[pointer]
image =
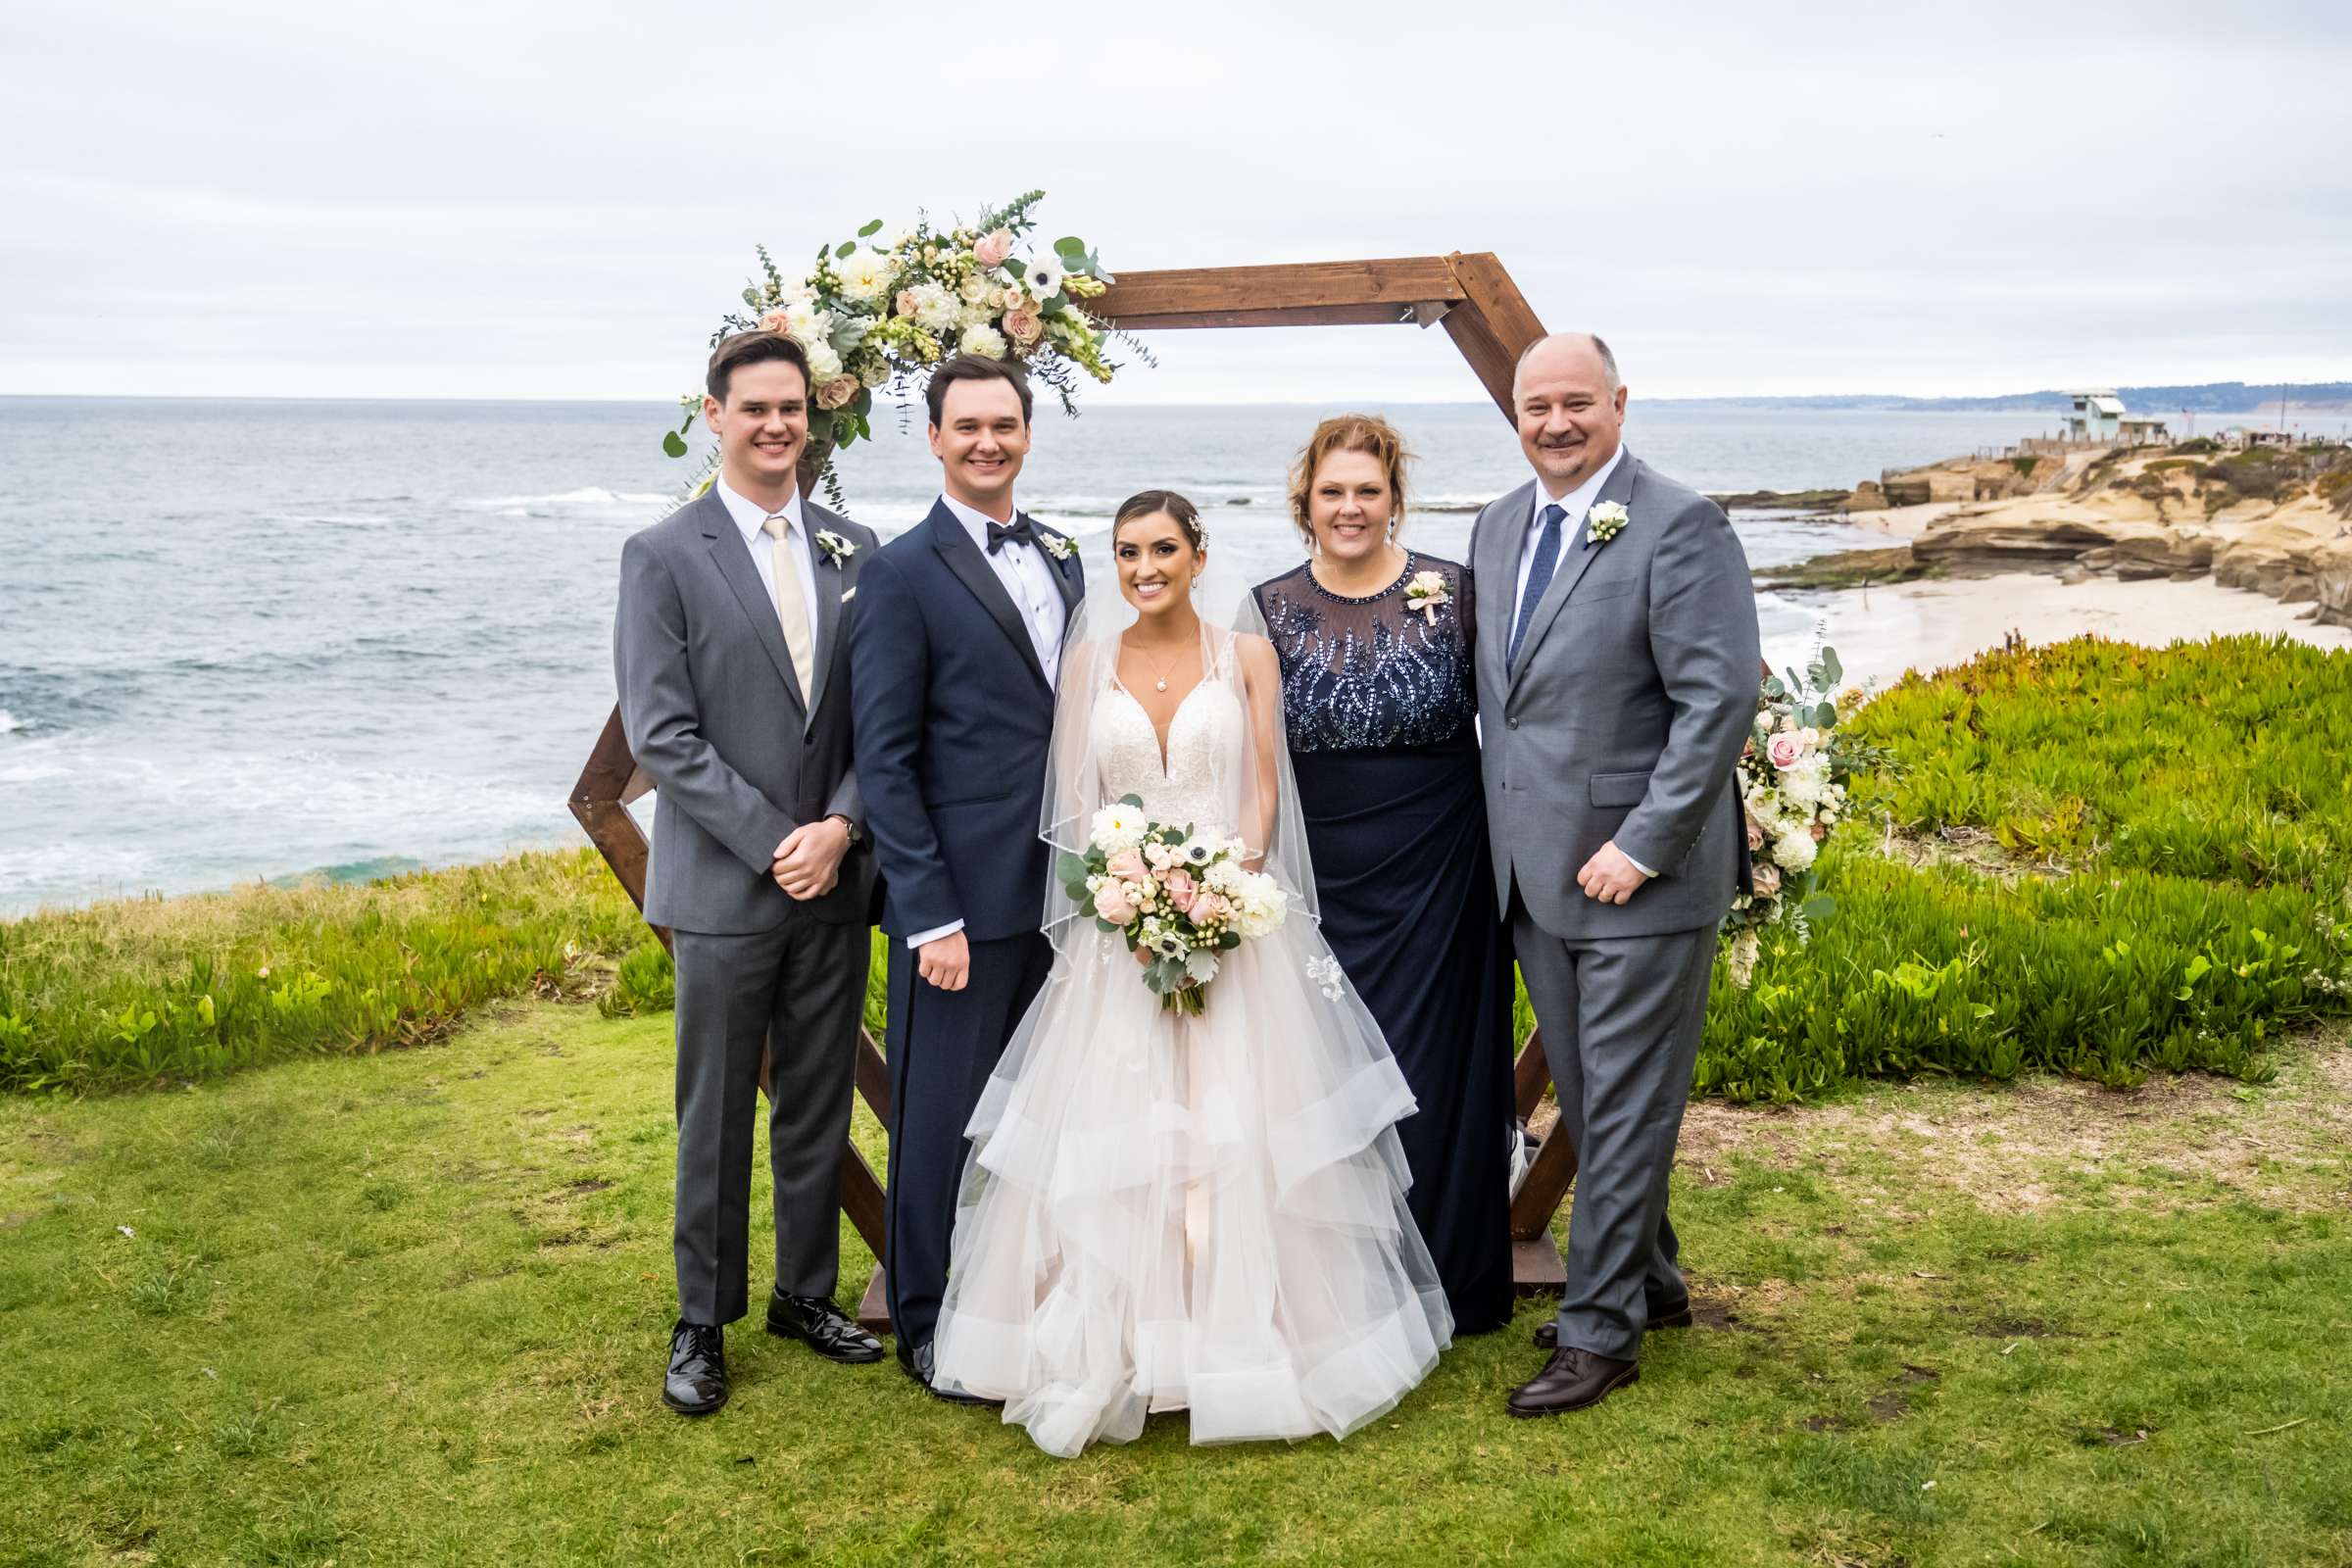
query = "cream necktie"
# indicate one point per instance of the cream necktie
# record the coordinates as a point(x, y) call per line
point(792, 610)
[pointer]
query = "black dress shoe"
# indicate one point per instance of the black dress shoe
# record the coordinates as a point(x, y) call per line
point(915, 1361)
point(823, 1327)
point(1570, 1381)
point(696, 1381)
point(1678, 1316)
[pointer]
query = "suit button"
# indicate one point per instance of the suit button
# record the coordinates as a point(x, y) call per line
point(1514, 724)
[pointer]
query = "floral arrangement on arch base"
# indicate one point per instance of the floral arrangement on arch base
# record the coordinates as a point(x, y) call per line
point(1794, 778)
point(877, 315)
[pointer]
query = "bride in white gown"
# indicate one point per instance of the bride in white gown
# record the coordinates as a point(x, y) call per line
point(1165, 1212)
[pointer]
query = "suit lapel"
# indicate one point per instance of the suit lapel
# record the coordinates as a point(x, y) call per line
point(1574, 565)
point(830, 584)
point(964, 559)
point(734, 561)
point(1497, 562)
point(1068, 575)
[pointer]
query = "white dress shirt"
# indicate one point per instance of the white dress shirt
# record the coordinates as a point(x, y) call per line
point(1576, 502)
point(1028, 577)
point(751, 517)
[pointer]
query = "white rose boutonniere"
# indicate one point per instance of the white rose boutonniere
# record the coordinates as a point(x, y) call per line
point(1605, 521)
point(837, 548)
point(1057, 544)
point(1426, 592)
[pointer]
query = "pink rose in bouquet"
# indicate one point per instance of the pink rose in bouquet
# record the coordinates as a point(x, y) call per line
point(1767, 879)
point(1112, 905)
point(1755, 835)
point(1127, 865)
point(1209, 909)
point(994, 247)
point(1181, 890)
point(1785, 749)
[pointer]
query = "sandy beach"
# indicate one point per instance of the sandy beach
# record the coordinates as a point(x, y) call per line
point(1881, 632)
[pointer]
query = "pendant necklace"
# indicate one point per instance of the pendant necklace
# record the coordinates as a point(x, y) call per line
point(1158, 685)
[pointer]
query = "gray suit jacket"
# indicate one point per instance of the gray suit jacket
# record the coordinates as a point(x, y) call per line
point(740, 755)
point(1623, 714)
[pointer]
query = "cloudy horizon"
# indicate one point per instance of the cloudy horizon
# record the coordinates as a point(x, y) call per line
point(477, 202)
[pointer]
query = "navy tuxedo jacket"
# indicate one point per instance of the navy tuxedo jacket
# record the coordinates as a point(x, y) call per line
point(954, 717)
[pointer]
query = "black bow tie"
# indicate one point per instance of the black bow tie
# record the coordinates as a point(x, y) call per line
point(1017, 530)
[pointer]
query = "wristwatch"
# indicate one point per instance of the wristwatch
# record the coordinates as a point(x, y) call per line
point(856, 837)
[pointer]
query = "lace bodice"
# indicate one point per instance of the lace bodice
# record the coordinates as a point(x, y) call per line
point(1200, 783)
point(1370, 674)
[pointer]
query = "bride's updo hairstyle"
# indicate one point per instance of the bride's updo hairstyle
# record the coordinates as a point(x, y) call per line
point(1144, 503)
point(1367, 433)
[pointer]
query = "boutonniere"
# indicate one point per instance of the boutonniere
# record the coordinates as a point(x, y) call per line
point(837, 548)
point(1605, 521)
point(1057, 544)
point(1425, 593)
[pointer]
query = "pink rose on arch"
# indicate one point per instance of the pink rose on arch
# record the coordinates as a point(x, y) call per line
point(908, 303)
point(1767, 878)
point(1785, 749)
point(1181, 890)
point(838, 393)
point(993, 248)
point(1025, 324)
point(775, 322)
point(1126, 865)
point(1112, 905)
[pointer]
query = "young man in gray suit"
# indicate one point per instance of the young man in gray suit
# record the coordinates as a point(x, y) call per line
point(1617, 681)
point(735, 696)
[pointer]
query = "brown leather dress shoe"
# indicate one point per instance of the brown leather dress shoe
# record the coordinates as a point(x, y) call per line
point(1570, 1381)
point(1548, 1332)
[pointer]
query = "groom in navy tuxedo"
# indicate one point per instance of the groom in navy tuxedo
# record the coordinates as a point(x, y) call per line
point(955, 641)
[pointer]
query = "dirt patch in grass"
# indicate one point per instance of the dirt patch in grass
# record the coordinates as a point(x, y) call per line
point(2021, 1147)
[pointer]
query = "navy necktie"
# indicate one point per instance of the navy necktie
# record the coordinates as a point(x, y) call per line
point(1539, 577)
point(1017, 531)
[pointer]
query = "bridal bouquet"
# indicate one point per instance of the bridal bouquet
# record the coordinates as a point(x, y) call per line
point(1176, 893)
point(1794, 776)
point(875, 312)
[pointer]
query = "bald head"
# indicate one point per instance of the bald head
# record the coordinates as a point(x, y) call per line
point(1579, 350)
point(1569, 408)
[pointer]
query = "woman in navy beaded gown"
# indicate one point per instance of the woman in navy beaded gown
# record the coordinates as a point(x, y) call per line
point(1376, 643)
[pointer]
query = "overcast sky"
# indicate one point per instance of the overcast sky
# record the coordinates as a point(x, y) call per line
point(486, 200)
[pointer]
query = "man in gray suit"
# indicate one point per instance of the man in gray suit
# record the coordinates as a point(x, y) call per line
point(735, 695)
point(1617, 681)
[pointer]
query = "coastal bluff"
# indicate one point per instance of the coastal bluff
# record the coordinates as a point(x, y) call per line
point(2273, 521)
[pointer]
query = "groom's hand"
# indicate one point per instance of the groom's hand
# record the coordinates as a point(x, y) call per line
point(808, 862)
point(1609, 876)
point(946, 962)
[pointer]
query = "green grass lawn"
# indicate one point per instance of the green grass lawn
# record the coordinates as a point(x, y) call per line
point(410, 1308)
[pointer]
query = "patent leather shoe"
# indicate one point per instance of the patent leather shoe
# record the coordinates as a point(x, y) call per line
point(817, 1322)
point(915, 1361)
point(1571, 1380)
point(696, 1383)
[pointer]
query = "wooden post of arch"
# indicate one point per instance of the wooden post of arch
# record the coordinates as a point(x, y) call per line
point(1488, 320)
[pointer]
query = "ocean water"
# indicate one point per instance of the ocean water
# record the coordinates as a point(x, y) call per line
point(254, 639)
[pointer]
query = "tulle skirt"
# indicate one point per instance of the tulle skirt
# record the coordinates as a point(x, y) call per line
point(1206, 1214)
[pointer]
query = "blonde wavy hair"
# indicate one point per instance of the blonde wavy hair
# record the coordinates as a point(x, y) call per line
point(1367, 433)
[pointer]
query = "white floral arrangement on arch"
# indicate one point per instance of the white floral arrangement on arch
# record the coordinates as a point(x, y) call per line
point(1794, 774)
point(876, 314)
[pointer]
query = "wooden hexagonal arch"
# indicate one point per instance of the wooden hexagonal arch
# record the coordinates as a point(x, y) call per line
point(1483, 310)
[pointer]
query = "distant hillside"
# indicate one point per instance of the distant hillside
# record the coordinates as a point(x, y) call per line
point(2212, 397)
